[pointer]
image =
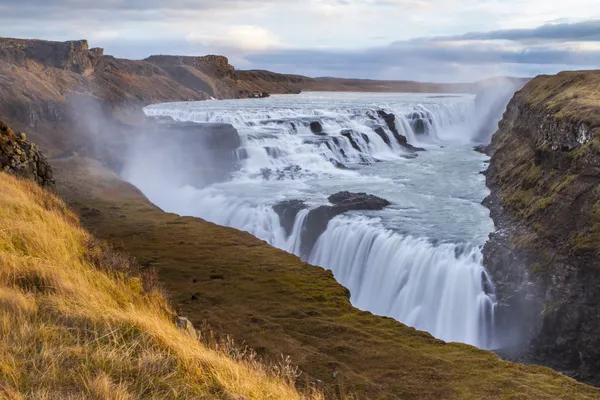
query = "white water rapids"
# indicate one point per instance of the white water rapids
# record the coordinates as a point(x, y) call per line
point(419, 260)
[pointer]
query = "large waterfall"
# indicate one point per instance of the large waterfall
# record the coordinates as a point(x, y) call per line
point(419, 260)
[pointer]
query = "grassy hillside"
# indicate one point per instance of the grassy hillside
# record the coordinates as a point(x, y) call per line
point(277, 304)
point(75, 323)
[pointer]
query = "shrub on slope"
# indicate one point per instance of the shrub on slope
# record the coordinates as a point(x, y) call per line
point(71, 327)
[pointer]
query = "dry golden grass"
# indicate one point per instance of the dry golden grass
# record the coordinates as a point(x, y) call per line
point(69, 330)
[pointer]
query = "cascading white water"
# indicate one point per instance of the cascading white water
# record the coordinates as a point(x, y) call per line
point(407, 278)
point(419, 260)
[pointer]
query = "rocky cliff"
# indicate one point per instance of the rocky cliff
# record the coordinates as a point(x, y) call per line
point(42, 84)
point(22, 158)
point(544, 175)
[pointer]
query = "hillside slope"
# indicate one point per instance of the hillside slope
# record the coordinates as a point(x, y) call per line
point(545, 177)
point(277, 304)
point(75, 323)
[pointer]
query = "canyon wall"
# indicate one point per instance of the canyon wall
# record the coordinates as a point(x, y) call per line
point(544, 178)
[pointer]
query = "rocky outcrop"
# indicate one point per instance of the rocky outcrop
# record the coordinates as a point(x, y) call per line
point(20, 157)
point(544, 175)
point(390, 120)
point(72, 56)
point(288, 211)
point(318, 218)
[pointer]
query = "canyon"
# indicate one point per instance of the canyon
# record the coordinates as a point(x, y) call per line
point(84, 109)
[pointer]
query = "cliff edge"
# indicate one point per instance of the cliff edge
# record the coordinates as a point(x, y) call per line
point(544, 176)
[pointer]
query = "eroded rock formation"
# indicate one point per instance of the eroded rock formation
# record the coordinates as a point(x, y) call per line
point(20, 157)
point(318, 218)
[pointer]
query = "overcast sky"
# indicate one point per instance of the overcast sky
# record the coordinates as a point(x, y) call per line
point(428, 40)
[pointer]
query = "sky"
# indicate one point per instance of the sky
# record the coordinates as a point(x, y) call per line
point(425, 40)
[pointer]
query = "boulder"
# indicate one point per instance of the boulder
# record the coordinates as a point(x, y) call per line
point(185, 325)
point(316, 128)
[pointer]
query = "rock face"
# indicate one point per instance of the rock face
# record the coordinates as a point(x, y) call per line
point(20, 157)
point(41, 83)
point(390, 120)
point(317, 219)
point(544, 177)
point(73, 55)
point(287, 211)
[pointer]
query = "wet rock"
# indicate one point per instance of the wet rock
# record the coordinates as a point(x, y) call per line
point(347, 133)
point(482, 148)
point(317, 219)
point(316, 128)
point(287, 211)
point(381, 132)
point(419, 126)
point(390, 120)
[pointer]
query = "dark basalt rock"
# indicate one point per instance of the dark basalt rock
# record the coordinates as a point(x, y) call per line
point(381, 132)
point(287, 211)
point(390, 120)
point(347, 133)
point(543, 258)
point(317, 220)
point(419, 127)
point(316, 128)
point(482, 148)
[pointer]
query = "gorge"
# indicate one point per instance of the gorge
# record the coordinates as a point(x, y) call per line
point(383, 189)
point(417, 260)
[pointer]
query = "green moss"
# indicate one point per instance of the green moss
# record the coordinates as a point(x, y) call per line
point(561, 185)
point(589, 240)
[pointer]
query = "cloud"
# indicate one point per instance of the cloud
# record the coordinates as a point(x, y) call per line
point(331, 37)
point(238, 37)
point(581, 31)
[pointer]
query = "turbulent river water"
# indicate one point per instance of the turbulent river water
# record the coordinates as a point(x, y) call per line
point(418, 260)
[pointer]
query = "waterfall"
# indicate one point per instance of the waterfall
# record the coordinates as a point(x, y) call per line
point(398, 262)
point(438, 289)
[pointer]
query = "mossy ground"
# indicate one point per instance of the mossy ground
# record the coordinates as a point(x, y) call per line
point(277, 304)
point(573, 95)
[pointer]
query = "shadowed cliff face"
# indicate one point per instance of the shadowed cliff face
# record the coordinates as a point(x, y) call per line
point(544, 176)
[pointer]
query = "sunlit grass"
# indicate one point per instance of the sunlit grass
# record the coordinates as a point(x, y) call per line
point(73, 325)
